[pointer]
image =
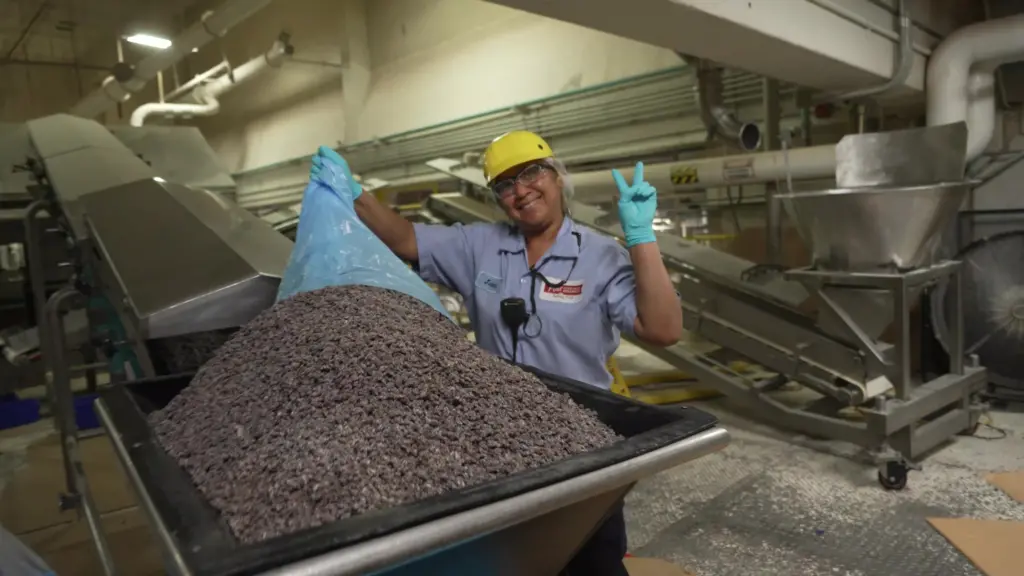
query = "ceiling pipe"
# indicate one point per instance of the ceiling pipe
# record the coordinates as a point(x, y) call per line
point(212, 25)
point(206, 97)
point(717, 118)
point(198, 79)
point(960, 87)
point(208, 106)
point(903, 67)
point(960, 81)
point(811, 163)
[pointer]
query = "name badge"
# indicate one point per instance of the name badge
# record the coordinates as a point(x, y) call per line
point(488, 282)
point(569, 293)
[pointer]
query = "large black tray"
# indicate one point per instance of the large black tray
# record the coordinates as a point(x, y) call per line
point(208, 548)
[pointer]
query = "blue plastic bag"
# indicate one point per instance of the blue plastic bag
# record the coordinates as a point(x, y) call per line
point(334, 248)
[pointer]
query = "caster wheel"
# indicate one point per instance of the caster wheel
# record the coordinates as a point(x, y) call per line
point(893, 477)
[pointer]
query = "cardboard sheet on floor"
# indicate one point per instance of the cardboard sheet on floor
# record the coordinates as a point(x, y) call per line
point(1010, 482)
point(992, 545)
point(653, 567)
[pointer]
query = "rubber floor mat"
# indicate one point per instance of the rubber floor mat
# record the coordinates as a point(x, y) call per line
point(769, 525)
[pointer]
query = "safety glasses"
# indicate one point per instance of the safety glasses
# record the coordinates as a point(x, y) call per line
point(527, 176)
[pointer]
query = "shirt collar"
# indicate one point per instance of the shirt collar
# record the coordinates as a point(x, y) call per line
point(565, 246)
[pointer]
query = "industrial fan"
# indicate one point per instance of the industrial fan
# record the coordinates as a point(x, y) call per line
point(993, 300)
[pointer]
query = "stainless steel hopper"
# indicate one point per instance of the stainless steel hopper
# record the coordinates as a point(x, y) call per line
point(898, 190)
point(875, 228)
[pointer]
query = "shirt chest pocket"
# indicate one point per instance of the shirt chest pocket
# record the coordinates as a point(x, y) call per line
point(487, 283)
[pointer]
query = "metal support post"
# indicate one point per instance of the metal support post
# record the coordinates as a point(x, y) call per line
point(36, 268)
point(773, 216)
point(956, 345)
point(78, 493)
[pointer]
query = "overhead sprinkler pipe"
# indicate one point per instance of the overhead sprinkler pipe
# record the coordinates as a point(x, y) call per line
point(212, 25)
point(903, 67)
point(205, 98)
point(717, 118)
point(960, 80)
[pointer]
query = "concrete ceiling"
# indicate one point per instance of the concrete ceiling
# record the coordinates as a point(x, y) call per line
point(63, 32)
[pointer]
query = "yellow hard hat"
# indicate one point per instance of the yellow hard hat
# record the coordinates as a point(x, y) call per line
point(512, 149)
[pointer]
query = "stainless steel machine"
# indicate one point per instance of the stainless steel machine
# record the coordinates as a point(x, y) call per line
point(161, 259)
point(164, 271)
point(161, 271)
point(873, 243)
point(177, 154)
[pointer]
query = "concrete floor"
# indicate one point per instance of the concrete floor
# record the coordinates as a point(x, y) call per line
point(774, 503)
point(770, 504)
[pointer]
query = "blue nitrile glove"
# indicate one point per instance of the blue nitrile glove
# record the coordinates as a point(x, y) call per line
point(637, 203)
point(325, 158)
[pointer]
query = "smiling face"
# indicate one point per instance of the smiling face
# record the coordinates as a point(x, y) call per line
point(531, 196)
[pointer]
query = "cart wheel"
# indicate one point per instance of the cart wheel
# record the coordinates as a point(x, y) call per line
point(894, 477)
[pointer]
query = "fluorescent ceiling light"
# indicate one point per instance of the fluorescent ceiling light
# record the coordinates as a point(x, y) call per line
point(151, 41)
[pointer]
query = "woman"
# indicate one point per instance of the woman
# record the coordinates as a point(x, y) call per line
point(581, 289)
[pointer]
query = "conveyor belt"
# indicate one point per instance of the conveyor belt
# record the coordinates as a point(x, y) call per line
point(173, 259)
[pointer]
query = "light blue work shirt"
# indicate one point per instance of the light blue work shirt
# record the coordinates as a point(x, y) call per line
point(577, 325)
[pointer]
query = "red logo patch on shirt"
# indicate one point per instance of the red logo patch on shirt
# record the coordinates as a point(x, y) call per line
point(569, 293)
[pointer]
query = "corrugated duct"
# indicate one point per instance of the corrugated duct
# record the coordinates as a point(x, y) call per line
point(652, 99)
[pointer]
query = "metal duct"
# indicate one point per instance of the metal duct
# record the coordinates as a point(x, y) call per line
point(212, 25)
point(719, 120)
point(960, 78)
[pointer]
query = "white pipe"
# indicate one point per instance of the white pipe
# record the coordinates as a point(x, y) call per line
point(205, 97)
point(959, 81)
point(809, 163)
point(981, 112)
point(209, 107)
point(960, 87)
point(272, 58)
point(198, 79)
point(212, 25)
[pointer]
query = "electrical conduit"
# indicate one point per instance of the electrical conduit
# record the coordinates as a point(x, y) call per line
point(206, 96)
